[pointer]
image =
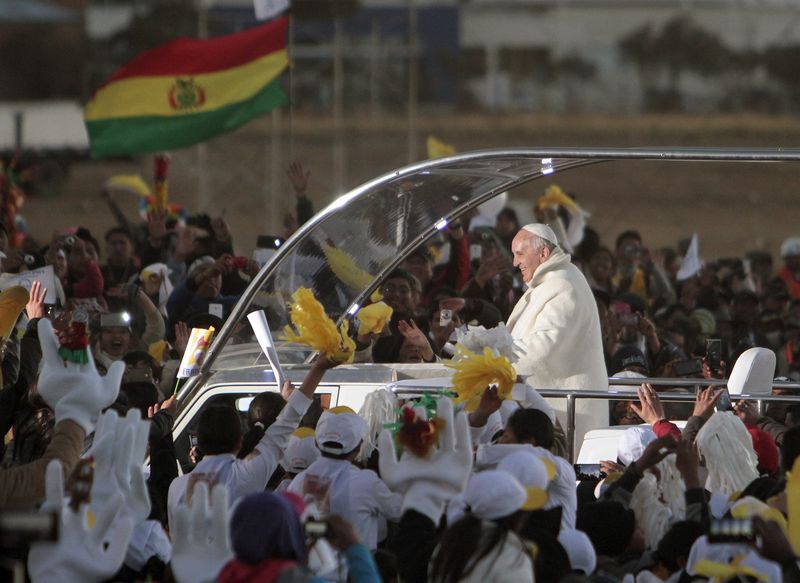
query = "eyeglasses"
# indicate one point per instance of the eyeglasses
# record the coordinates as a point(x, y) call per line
point(392, 289)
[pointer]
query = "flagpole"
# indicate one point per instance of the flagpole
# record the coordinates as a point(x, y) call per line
point(413, 81)
point(203, 197)
point(338, 108)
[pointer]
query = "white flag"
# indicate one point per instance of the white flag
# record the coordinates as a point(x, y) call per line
point(691, 264)
point(266, 9)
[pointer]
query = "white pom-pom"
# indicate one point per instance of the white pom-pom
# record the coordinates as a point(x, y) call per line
point(727, 448)
point(379, 409)
point(499, 339)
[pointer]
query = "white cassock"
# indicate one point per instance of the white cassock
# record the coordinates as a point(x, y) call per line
point(556, 328)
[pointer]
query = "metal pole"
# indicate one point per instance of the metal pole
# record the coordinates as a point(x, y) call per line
point(273, 200)
point(338, 108)
point(291, 88)
point(413, 81)
point(571, 427)
point(203, 190)
point(374, 68)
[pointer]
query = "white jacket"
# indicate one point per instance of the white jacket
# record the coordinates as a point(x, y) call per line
point(557, 329)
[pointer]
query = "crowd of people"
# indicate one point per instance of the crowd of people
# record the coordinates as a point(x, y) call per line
point(424, 490)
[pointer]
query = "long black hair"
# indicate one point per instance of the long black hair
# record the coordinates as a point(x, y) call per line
point(465, 543)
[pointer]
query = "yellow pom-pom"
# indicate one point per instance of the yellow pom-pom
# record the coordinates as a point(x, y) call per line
point(555, 196)
point(345, 268)
point(315, 329)
point(475, 372)
point(374, 318)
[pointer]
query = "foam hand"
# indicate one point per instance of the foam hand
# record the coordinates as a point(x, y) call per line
point(74, 391)
point(429, 483)
point(118, 450)
point(82, 553)
point(201, 540)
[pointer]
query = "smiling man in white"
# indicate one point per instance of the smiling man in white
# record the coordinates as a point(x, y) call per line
point(556, 326)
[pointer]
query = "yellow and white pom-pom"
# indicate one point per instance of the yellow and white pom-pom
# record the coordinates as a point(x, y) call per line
point(555, 196)
point(373, 318)
point(476, 372)
point(345, 268)
point(315, 329)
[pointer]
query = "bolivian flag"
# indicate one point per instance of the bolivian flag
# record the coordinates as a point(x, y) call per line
point(187, 91)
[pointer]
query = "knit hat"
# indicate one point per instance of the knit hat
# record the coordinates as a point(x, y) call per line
point(753, 372)
point(301, 451)
point(532, 473)
point(255, 540)
point(609, 525)
point(582, 556)
point(790, 247)
point(727, 447)
point(494, 494)
point(542, 231)
point(629, 356)
point(632, 444)
point(341, 429)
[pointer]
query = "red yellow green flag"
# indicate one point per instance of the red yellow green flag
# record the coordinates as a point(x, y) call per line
point(187, 91)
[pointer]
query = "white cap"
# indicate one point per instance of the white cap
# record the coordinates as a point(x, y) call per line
point(542, 231)
point(581, 553)
point(494, 494)
point(790, 247)
point(342, 426)
point(632, 444)
point(753, 372)
point(301, 451)
point(531, 472)
point(198, 263)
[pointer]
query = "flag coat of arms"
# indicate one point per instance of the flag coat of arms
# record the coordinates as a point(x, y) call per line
point(188, 91)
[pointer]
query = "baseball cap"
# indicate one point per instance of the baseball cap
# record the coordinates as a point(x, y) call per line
point(340, 430)
point(790, 247)
point(531, 471)
point(494, 494)
point(582, 556)
point(301, 451)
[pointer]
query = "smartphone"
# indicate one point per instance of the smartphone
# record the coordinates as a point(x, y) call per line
point(269, 241)
point(316, 529)
point(714, 353)
point(724, 401)
point(589, 472)
point(445, 317)
point(629, 319)
point(688, 367)
point(731, 530)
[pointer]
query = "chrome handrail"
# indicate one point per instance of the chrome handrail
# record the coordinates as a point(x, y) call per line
point(571, 395)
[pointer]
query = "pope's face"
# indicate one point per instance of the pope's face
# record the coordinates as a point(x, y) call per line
point(527, 256)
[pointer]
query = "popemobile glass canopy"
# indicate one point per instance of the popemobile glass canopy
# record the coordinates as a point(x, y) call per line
point(345, 251)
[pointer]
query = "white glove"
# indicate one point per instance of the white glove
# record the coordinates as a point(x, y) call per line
point(118, 450)
point(82, 554)
point(429, 483)
point(74, 391)
point(201, 544)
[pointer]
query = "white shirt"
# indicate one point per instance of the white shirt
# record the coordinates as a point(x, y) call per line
point(359, 496)
point(245, 476)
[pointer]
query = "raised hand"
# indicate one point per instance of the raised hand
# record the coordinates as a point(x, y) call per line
point(429, 483)
point(201, 541)
point(75, 391)
point(35, 305)
point(298, 177)
point(82, 553)
point(650, 408)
